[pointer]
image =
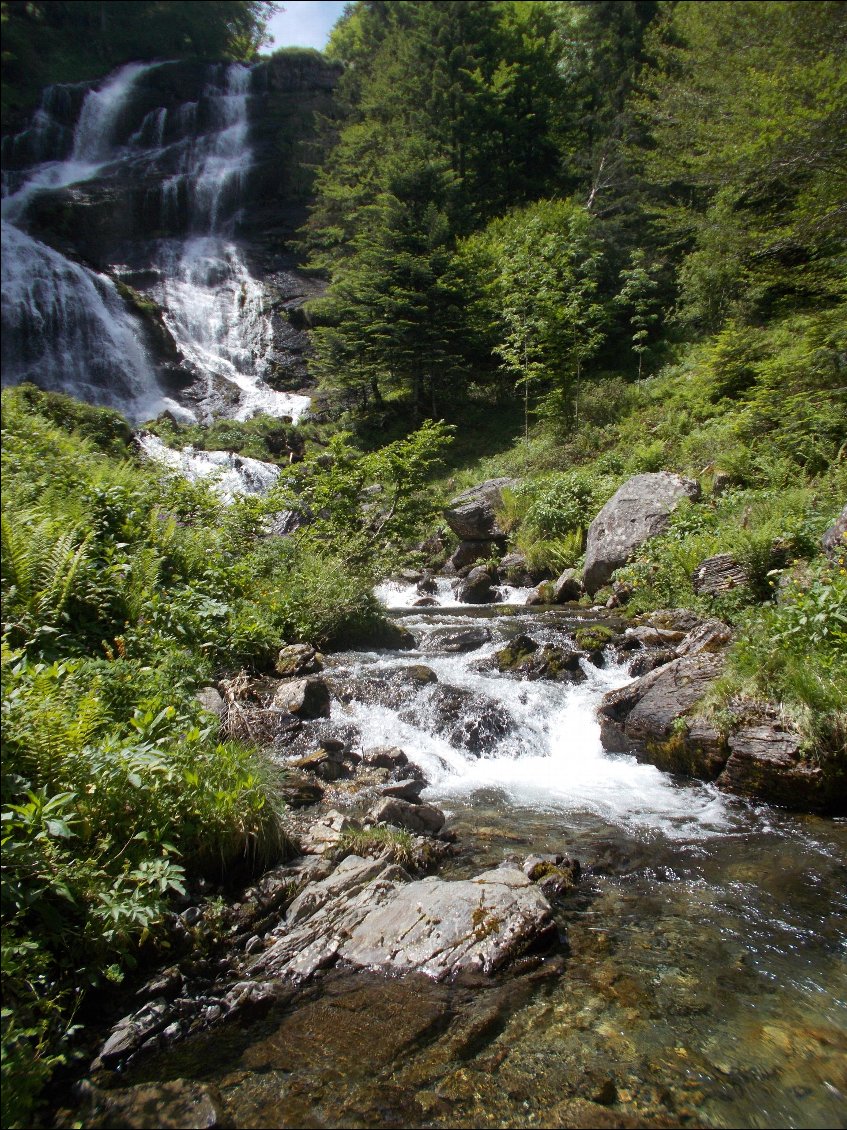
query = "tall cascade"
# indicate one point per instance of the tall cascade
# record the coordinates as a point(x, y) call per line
point(160, 180)
point(65, 327)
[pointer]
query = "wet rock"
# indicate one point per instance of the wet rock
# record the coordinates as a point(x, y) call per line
point(324, 763)
point(767, 762)
point(567, 587)
point(541, 594)
point(298, 659)
point(305, 698)
point(834, 541)
point(211, 701)
point(523, 657)
point(129, 1034)
point(409, 789)
point(467, 720)
point(427, 585)
point(419, 674)
point(425, 602)
point(472, 515)
point(180, 1104)
point(455, 641)
point(422, 819)
point(719, 574)
point(467, 553)
point(385, 757)
point(650, 659)
point(368, 914)
point(647, 717)
point(478, 587)
point(638, 510)
point(442, 928)
point(556, 875)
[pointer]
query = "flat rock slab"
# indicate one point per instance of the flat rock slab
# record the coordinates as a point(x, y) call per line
point(369, 915)
point(442, 928)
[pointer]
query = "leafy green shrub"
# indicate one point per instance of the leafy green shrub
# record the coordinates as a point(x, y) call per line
point(794, 652)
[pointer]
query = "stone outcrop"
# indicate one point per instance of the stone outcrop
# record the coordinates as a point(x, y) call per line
point(644, 716)
point(655, 718)
point(767, 762)
point(719, 574)
point(472, 515)
point(638, 510)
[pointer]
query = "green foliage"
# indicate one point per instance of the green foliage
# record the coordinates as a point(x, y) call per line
point(795, 652)
point(534, 278)
point(364, 507)
point(744, 109)
point(392, 844)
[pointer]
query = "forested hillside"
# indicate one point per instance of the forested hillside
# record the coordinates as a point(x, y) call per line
point(566, 242)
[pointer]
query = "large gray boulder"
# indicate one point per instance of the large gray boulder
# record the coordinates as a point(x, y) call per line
point(637, 511)
point(472, 516)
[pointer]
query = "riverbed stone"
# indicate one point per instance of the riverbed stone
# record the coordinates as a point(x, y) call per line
point(298, 659)
point(385, 757)
point(173, 1105)
point(422, 819)
point(467, 720)
point(478, 587)
point(305, 698)
point(768, 762)
point(409, 789)
point(455, 641)
point(442, 928)
point(636, 512)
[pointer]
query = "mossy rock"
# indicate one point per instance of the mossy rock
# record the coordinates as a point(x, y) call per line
point(593, 638)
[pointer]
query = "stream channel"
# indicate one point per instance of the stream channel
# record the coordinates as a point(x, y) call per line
point(700, 977)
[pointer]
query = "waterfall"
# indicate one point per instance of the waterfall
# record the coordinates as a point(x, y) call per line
point(66, 329)
point(213, 306)
point(66, 326)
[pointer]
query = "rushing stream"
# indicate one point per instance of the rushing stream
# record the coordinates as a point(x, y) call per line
point(701, 978)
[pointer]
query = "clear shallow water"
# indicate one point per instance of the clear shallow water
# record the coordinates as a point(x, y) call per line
point(702, 975)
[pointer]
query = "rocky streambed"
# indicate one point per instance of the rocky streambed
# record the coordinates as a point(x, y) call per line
point(494, 920)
